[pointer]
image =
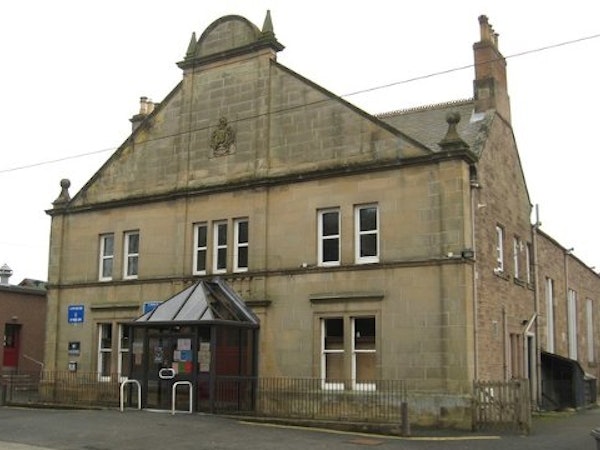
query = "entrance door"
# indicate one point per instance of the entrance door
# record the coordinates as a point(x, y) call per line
point(10, 359)
point(169, 360)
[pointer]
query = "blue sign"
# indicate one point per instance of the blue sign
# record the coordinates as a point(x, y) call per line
point(75, 313)
point(149, 306)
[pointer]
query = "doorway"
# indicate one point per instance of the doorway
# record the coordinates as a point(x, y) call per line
point(10, 358)
point(169, 360)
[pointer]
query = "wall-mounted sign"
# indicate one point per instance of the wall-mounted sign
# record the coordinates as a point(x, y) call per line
point(149, 306)
point(74, 348)
point(75, 314)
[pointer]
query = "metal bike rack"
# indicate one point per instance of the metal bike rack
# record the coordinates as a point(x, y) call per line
point(122, 390)
point(173, 391)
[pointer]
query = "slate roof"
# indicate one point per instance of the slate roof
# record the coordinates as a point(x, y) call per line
point(203, 301)
point(428, 124)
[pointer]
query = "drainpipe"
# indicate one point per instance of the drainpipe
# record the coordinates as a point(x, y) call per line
point(505, 338)
point(536, 306)
point(475, 186)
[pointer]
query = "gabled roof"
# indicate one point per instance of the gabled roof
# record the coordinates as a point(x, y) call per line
point(428, 124)
point(204, 301)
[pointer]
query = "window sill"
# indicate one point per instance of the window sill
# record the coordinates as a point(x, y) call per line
point(501, 274)
point(519, 282)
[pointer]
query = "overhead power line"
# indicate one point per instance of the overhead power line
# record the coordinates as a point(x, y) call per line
point(350, 94)
point(52, 161)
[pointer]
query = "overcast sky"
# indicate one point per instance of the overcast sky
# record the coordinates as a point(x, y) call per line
point(73, 71)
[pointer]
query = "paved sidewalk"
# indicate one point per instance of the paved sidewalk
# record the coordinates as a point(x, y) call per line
point(46, 429)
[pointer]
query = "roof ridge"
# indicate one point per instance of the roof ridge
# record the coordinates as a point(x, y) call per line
point(424, 108)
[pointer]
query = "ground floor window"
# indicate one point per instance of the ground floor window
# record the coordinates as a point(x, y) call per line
point(123, 361)
point(104, 351)
point(348, 352)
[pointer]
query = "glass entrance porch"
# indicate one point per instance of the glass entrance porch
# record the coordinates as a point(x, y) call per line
point(203, 336)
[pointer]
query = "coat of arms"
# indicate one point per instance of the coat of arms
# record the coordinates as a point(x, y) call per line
point(222, 139)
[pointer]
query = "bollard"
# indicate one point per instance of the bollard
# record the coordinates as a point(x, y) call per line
point(596, 434)
point(404, 418)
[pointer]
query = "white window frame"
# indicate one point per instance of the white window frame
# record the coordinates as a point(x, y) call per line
point(217, 232)
point(103, 350)
point(360, 233)
point(104, 256)
point(134, 255)
point(589, 313)
point(239, 245)
point(325, 352)
point(516, 251)
point(499, 249)
point(550, 315)
point(198, 247)
point(322, 238)
point(572, 323)
point(528, 261)
point(356, 352)
point(123, 351)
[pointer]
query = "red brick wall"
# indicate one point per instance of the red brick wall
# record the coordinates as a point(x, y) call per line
point(27, 308)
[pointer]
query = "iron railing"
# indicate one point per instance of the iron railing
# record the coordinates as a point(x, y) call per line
point(81, 389)
point(310, 398)
point(376, 401)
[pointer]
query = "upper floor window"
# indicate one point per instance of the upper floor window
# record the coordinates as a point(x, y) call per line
point(572, 323)
point(550, 315)
point(107, 254)
point(589, 318)
point(499, 249)
point(220, 247)
point(131, 253)
point(529, 262)
point(366, 219)
point(200, 248)
point(240, 255)
point(329, 237)
point(516, 251)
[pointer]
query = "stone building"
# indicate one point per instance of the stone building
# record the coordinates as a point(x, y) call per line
point(396, 246)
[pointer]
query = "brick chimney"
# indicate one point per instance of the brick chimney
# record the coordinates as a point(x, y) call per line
point(490, 87)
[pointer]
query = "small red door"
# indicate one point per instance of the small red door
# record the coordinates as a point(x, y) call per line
point(11, 346)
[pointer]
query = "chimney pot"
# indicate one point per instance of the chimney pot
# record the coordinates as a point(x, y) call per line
point(144, 105)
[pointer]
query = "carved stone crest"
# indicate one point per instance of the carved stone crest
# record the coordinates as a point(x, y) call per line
point(222, 139)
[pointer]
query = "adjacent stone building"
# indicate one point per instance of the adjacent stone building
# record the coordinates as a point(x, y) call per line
point(23, 324)
point(397, 246)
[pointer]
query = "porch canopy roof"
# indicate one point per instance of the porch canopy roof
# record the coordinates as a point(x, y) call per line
point(205, 302)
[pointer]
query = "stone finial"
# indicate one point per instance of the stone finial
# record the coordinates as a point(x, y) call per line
point(229, 37)
point(452, 140)
point(268, 24)
point(64, 196)
point(191, 50)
